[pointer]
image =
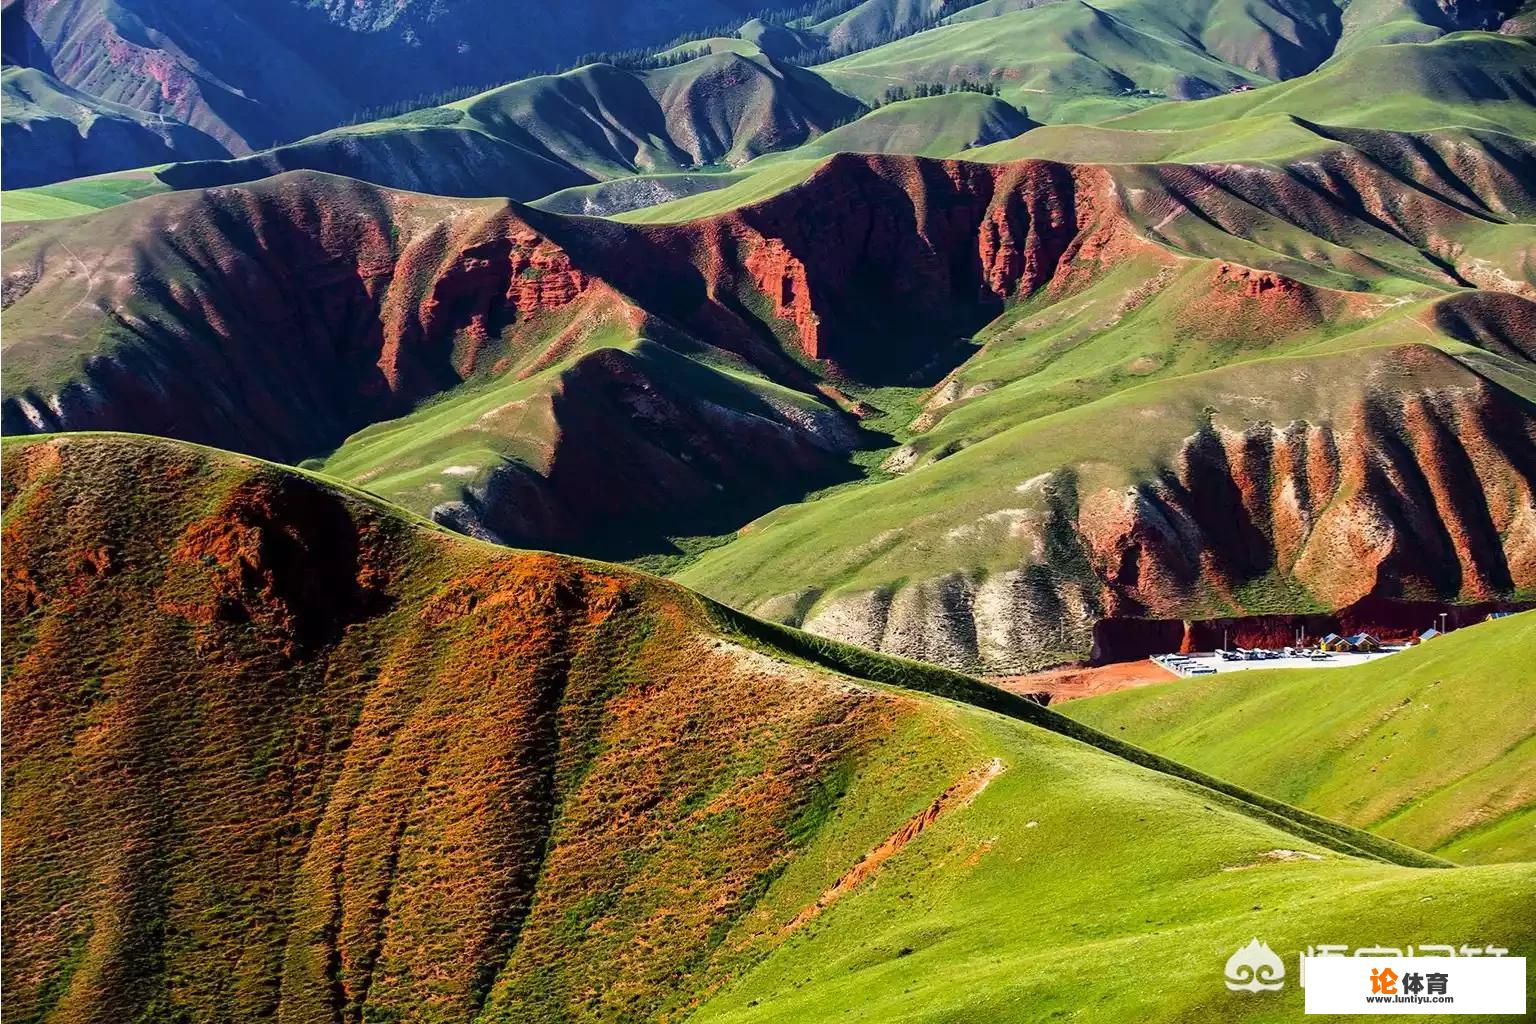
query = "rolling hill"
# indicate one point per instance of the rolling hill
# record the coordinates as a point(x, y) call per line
point(51, 131)
point(552, 132)
point(975, 330)
point(1458, 90)
point(276, 749)
point(1430, 747)
point(1419, 89)
point(77, 196)
point(1472, 81)
point(936, 126)
point(250, 76)
point(1053, 62)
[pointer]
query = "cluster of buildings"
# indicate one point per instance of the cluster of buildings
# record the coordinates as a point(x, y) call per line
point(1360, 643)
point(1365, 643)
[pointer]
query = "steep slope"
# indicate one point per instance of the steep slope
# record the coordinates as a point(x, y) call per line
point(1431, 747)
point(626, 389)
point(51, 132)
point(381, 771)
point(249, 76)
point(548, 133)
point(368, 302)
point(1072, 61)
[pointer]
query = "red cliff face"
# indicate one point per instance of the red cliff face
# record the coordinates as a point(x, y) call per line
point(783, 278)
point(479, 278)
point(1412, 495)
point(279, 317)
point(875, 245)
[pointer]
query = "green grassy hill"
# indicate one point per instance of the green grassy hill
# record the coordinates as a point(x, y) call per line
point(937, 126)
point(1055, 62)
point(82, 195)
point(1058, 61)
point(544, 134)
point(1468, 80)
point(1431, 747)
point(1462, 91)
point(384, 769)
point(52, 132)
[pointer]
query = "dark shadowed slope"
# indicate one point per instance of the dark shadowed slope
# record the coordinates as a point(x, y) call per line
point(251, 75)
point(51, 132)
point(543, 134)
point(277, 751)
point(603, 388)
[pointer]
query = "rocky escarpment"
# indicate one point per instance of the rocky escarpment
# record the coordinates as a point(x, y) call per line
point(1422, 489)
point(877, 266)
point(1410, 494)
point(398, 296)
point(280, 318)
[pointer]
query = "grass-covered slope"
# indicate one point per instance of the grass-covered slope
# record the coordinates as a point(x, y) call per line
point(595, 127)
point(386, 772)
point(81, 195)
point(1464, 91)
point(1064, 61)
point(250, 77)
point(552, 132)
point(974, 330)
point(936, 126)
point(52, 132)
point(1467, 81)
point(1432, 747)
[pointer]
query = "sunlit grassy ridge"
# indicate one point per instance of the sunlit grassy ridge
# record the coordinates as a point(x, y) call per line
point(1469, 80)
point(1432, 747)
point(82, 195)
point(1469, 89)
point(681, 798)
point(985, 467)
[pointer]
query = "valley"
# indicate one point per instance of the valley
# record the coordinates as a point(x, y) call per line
point(456, 750)
point(618, 512)
point(1331, 390)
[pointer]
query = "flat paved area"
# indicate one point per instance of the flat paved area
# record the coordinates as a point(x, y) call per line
point(1332, 661)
